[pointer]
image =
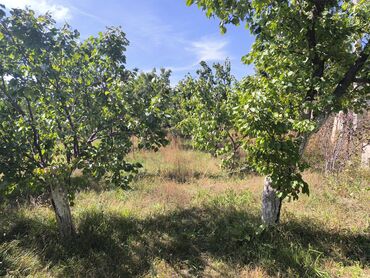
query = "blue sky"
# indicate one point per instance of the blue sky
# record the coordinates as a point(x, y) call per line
point(162, 33)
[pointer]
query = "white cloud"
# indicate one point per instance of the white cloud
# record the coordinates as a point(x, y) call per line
point(147, 31)
point(89, 15)
point(209, 49)
point(152, 28)
point(59, 12)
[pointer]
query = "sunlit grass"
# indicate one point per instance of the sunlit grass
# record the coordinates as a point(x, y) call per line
point(183, 217)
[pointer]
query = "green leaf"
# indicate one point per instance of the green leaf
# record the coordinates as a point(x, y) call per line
point(189, 2)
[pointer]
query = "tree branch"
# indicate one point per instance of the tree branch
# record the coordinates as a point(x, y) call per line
point(76, 148)
point(362, 80)
point(318, 63)
point(36, 136)
point(350, 75)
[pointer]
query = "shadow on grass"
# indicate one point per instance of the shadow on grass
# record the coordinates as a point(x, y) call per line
point(179, 176)
point(115, 246)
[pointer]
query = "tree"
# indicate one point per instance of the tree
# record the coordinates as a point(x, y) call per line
point(206, 104)
point(307, 66)
point(151, 100)
point(66, 105)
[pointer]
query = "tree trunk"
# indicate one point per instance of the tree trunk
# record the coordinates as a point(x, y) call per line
point(271, 204)
point(62, 211)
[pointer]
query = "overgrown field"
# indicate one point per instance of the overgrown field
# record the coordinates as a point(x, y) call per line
point(184, 217)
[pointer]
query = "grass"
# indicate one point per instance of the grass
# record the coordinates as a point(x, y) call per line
point(183, 217)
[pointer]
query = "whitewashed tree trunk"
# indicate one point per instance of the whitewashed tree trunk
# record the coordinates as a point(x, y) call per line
point(62, 211)
point(271, 204)
point(365, 155)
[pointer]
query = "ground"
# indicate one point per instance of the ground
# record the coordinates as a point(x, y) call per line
point(184, 217)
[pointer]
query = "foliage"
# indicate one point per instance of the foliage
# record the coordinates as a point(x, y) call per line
point(308, 65)
point(150, 106)
point(67, 104)
point(206, 104)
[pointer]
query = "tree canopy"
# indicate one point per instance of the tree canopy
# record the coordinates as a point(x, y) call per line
point(68, 104)
point(311, 59)
point(206, 105)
